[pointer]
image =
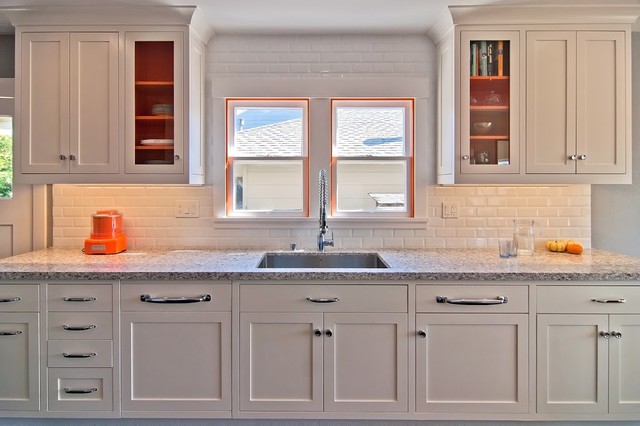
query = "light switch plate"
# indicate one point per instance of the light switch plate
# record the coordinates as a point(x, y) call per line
point(187, 208)
point(449, 210)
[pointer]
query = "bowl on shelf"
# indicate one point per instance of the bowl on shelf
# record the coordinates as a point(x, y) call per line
point(162, 109)
point(482, 127)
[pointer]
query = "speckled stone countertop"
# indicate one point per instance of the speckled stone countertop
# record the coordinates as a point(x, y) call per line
point(412, 265)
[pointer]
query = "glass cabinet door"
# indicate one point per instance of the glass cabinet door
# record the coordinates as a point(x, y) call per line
point(489, 102)
point(154, 116)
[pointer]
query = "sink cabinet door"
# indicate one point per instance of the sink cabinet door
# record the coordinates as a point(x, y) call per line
point(468, 363)
point(624, 368)
point(365, 359)
point(281, 361)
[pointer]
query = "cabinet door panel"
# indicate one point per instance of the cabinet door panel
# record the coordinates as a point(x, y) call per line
point(280, 362)
point(472, 363)
point(19, 362)
point(176, 361)
point(624, 368)
point(365, 361)
point(572, 364)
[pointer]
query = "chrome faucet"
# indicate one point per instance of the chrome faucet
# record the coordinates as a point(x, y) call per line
point(322, 240)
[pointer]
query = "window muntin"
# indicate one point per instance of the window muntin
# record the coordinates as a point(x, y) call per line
point(372, 157)
point(267, 164)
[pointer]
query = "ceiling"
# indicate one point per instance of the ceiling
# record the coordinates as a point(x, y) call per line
point(308, 17)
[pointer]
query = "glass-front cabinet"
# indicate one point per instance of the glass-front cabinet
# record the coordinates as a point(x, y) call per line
point(154, 80)
point(489, 102)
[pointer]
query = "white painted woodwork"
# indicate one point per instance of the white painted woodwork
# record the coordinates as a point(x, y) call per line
point(576, 299)
point(576, 102)
point(56, 294)
point(220, 296)
point(197, 111)
point(101, 350)
point(572, 364)
point(366, 362)
point(20, 365)
point(624, 368)
point(176, 362)
point(28, 298)
point(99, 379)
point(446, 132)
point(102, 323)
point(281, 362)
point(517, 298)
point(472, 363)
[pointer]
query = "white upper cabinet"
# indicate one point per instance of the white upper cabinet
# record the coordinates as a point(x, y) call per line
point(560, 111)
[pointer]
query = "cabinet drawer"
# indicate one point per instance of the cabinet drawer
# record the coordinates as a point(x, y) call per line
point(80, 389)
point(76, 297)
point(80, 325)
point(330, 298)
point(161, 295)
point(457, 297)
point(90, 353)
point(19, 298)
point(580, 299)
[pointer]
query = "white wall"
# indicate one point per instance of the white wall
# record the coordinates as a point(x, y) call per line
point(485, 212)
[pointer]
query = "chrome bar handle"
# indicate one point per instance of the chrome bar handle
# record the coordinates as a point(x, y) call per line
point(10, 299)
point(10, 333)
point(80, 391)
point(79, 327)
point(202, 298)
point(497, 301)
point(85, 355)
point(79, 299)
point(609, 300)
point(605, 334)
point(323, 299)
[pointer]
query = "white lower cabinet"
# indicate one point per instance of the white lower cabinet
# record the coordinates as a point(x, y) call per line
point(176, 349)
point(472, 349)
point(308, 348)
point(588, 347)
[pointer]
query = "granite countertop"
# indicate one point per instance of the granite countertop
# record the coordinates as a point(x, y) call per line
point(240, 264)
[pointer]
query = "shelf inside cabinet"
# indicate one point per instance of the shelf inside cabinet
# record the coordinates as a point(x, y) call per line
point(154, 147)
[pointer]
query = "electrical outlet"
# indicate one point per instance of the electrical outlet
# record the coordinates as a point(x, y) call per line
point(187, 208)
point(449, 210)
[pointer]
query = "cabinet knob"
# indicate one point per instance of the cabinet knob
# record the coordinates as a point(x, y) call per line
point(605, 334)
point(62, 157)
point(465, 157)
point(616, 334)
point(422, 334)
point(573, 157)
point(177, 156)
point(72, 157)
point(328, 333)
point(317, 332)
point(582, 157)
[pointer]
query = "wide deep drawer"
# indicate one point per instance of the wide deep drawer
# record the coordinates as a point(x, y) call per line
point(322, 298)
point(78, 297)
point(80, 325)
point(475, 299)
point(588, 299)
point(19, 298)
point(80, 389)
point(175, 297)
point(74, 353)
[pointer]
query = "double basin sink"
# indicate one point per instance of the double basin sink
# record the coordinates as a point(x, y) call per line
point(292, 260)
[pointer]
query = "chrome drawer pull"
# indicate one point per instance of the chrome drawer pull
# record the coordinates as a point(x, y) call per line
point(497, 301)
point(79, 299)
point(10, 299)
point(78, 327)
point(86, 355)
point(609, 300)
point(78, 391)
point(10, 333)
point(323, 299)
point(202, 298)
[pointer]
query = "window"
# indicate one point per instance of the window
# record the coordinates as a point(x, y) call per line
point(372, 156)
point(6, 173)
point(267, 160)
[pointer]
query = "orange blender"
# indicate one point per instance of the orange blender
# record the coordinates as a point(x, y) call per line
point(107, 236)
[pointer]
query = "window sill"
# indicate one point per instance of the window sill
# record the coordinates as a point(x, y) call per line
point(334, 223)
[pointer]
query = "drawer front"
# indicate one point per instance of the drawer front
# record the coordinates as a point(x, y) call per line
point(80, 298)
point(19, 298)
point(80, 326)
point(322, 298)
point(80, 389)
point(474, 299)
point(73, 353)
point(580, 299)
point(175, 297)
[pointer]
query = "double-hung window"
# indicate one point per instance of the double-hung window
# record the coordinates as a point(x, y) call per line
point(267, 157)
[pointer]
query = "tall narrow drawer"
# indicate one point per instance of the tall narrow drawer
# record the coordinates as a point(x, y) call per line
point(19, 298)
point(474, 299)
point(76, 297)
point(589, 299)
point(175, 297)
point(323, 298)
point(80, 325)
point(80, 389)
point(74, 353)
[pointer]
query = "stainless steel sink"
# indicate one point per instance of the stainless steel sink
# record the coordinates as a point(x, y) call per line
point(322, 260)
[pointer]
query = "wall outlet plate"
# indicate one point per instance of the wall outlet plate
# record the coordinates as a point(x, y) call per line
point(187, 208)
point(449, 210)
